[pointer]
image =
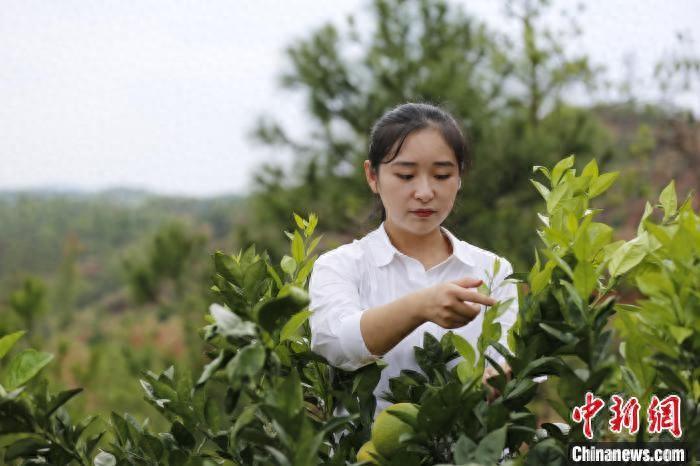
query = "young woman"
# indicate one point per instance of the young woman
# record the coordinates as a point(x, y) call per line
point(376, 297)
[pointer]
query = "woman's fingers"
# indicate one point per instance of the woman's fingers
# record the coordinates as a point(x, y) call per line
point(470, 295)
point(468, 282)
point(468, 311)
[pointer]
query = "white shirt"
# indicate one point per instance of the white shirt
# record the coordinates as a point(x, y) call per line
point(371, 272)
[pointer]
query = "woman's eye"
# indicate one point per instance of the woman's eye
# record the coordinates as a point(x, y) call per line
point(442, 177)
point(404, 177)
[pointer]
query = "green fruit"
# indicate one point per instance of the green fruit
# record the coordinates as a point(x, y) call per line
point(387, 429)
point(368, 453)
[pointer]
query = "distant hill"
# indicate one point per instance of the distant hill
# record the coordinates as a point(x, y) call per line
point(39, 228)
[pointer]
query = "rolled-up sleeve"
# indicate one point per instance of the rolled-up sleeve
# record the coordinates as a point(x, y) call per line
point(336, 312)
point(503, 291)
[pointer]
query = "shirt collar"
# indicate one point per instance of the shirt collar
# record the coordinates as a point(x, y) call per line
point(383, 251)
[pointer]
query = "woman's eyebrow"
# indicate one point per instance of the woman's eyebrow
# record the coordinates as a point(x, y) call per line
point(444, 163)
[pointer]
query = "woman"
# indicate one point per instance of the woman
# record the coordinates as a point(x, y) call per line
point(378, 295)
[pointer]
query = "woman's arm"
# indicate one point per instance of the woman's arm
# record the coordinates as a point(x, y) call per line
point(450, 305)
point(350, 337)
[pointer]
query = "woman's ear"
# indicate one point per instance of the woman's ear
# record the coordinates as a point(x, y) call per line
point(371, 176)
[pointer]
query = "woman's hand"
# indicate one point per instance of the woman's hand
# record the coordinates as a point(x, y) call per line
point(453, 304)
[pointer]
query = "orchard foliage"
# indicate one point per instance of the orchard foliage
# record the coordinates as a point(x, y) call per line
point(265, 398)
point(33, 423)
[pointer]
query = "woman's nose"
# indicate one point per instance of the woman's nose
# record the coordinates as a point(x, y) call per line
point(424, 190)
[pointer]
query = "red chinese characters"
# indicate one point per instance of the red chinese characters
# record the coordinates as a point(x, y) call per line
point(587, 412)
point(662, 415)
point(624, 414)
point(665, 415)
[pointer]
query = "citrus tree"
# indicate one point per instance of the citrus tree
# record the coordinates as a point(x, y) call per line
point(266, 398)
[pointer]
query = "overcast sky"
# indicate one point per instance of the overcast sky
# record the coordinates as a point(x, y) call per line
point(161, 95)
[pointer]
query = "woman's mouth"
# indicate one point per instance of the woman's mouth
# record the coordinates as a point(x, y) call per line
point(423, 212)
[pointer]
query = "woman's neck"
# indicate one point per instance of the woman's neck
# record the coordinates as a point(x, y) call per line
point(430, 249)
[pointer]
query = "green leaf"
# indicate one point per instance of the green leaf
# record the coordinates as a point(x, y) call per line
point(275, 276)
point(273, 314)
point(289, 266)
point(299, 221)
point(246, 416)
point(464, 348)
point(248, 256)
point(631, 382)
point(184, 437)
point(465, 371)
point(305, 271)
point(544, 192)
point(246, 363)
point(229, 324)
point(591, 239)
point(535, 268)
point(546, 453)
point(560, 168)
point(84, 424)
point(668, 200)
point(212, 414)
point(91, 442)
point(661, 233)
point(293, 324)
point(541, 279)
point(680, 333)
point(648, 209)
point(571, 223)
point(313, 245)
point(543, 170)
point(602, 183)
point(490, 449)
point(287, 396)
point(152, 445)
point(254, 274)
point(556, 196)
point(435, 414)
point(565, 337)
point(313, 221)
point(60, 399)
point(211, 368)
point(610, 249)
point(8, 341)
point(585, 279)
point(24, 448)
point(24, 367)
point(120, 427)
point(104, 459)
point(635, 351)
point(591, 169)
point(228, 268)
point(560, 262)
point(653, 283)
point(542, 366)
point(521, 393)
point(464, 450)
point(627, 256)
point(298, 248)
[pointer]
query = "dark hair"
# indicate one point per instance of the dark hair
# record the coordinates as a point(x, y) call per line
point(391, 130)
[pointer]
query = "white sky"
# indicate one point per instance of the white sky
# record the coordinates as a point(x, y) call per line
point(161, 95)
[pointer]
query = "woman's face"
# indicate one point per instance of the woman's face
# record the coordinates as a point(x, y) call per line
point(418, 187)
